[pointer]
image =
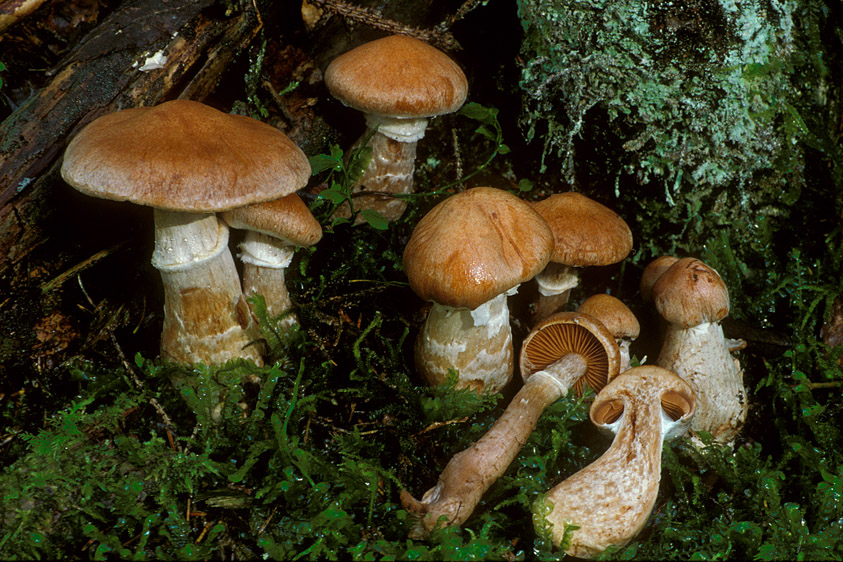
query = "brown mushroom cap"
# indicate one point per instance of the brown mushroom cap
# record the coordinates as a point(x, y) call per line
point(614, 314)
point(676, 396)
point(652, 273)
point(572, 332)
point(183, 155)
point(397, 76)
point(691, 293)
point(585, 232)
point(287, 218)
point(474, 246)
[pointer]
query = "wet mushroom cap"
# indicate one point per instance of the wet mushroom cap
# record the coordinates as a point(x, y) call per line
point(614, 314)
point(691, 293)
point(286, 218)
point(474, 246)
point(397, 76)
point(183, 155)
point(586, 233)
point(572, 332)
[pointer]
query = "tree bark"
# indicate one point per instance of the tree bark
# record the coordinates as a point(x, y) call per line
point(113, 67)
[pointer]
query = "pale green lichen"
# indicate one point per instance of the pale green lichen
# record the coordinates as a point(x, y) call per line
point(703, 115)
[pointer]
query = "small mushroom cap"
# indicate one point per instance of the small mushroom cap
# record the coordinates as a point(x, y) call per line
point(287, 218)
point(691, 293)
point(474, 246)
point(397, 76)
point(647, 382)
point(585, 232)
point(652, 273)
point(614, 314)
point(183, 155)
point(572, 332)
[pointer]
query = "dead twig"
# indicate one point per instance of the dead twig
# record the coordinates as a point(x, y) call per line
point(441, 37)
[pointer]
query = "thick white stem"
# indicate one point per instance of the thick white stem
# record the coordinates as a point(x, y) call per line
point(701, 357)
point(205, 314)
point(481, 350)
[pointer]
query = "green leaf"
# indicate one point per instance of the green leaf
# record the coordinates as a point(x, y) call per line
point(322, 162)
point(375, 219)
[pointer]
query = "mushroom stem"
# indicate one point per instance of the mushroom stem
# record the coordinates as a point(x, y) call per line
point(554, 286)
point(611, 499)
point(700, 355)
point(477, 343)
point(471, 472)
point(265, 259)
point(205, 314)
point(389, 171)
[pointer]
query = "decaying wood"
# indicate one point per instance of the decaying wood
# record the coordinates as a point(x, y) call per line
point(13, 10)
point(145, 52)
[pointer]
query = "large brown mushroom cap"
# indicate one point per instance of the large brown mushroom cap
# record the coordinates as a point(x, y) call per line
point(690, 293)
point(572, 332)
point(183, 155)
point(397, 76)
point(287, 218)
point(474, 246)
point(586, 233)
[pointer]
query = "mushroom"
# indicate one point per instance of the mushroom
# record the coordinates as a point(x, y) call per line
point(274, 230)
point(692, 298)
point(610, 500)
point(618, 318)
point(188, 161)
point(652, 273)
point(586, 233)
point(564, 351)
point(399, 83)
point(466, 255)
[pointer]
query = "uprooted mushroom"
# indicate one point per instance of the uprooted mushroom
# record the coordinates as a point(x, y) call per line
point(563, 352)
point(609, 501)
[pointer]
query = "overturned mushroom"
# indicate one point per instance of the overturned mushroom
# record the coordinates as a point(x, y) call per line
point(692, 298)
point(399, 83)
point(586, 233)
point(617, 317)
point(610, 500)
point(188, 161)
point(564, 351)
point(466, 255)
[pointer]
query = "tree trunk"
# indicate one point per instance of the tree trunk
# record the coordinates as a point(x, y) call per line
point(114, 67)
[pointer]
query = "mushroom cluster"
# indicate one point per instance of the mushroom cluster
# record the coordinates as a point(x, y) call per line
point(204, 171)
point(189, 161)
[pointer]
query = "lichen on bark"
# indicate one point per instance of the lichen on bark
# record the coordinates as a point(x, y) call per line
point(713, 111)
